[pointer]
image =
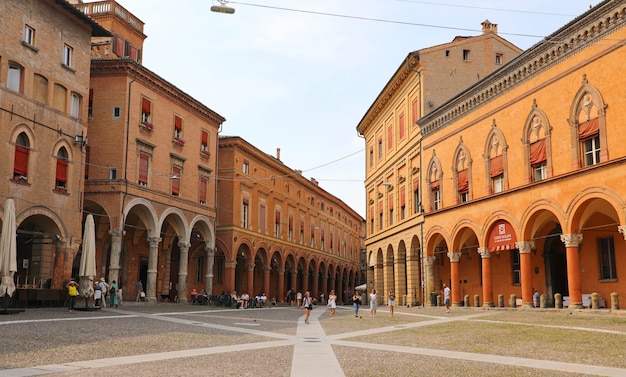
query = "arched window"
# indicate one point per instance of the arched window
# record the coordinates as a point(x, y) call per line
point(61, 171)
point(537, 146)
point(20, 164)
point(495, 159)
point(461, 170)
point(588, 127)
point(434, 181)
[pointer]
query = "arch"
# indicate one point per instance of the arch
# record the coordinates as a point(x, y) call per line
point(144, 209)
point(495, 156)
point(462, 172)
point(434, 180)
point(179, 223)
point(590, 201)
point(537, 144)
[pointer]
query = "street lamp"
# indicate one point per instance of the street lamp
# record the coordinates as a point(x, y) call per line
point(222, 8)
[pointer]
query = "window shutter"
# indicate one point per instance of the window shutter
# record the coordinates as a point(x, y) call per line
point(434, 186)
point(416, 185)
point(178, 123)
point(589, 128)
point(203, 185)
point(61, 174)
point(205, 138)
point(277, 217)
point(290, 222)
point(538, 152)
point(380, 207)
point(402, 197)
point(401, 121)
point(176, 181)
point(21, 161)
point(143, 168)
point(496, 166)
point(462, 181)
point(145, 106)
point(390, 202)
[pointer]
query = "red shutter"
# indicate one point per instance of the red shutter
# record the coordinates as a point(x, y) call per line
point(203, 185)
point(61, 175)
point(434, 186)
point(119, 47)
point(402, 197)
point(176, 181)
point(20, 166)
point(416, 185)
point(145, 106)
point(414, 110)
point(589, 128)
point(380, 207)
point(246, 201)
point(205, 138)
point(389, 137)
point(178, 123)
point(277, 217)
point(143, 168)
point(538, 151)
point(462, 181)
point(390, 202)
point(290, 222)
point(402, 126)
point(496, 166)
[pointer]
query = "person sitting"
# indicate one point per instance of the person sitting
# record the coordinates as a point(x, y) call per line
point(203, 297)
point(245, 298)
point(194, 296)
point(262, 299)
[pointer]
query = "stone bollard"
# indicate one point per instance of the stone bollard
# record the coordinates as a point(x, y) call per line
point(595, 300)
point(543, 301)
point(513, 300)
point(558, 301)
point(501, 300)
point(614, 301)
point(466, 301)
point(477, 301)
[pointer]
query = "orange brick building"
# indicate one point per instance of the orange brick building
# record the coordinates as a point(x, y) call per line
point(277, 230)
point(151, 168)
point(44, 87)
point(523, 173)
point(424, 80)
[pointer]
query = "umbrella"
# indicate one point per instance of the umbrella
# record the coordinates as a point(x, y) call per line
point(87, 270)
point(8, 250)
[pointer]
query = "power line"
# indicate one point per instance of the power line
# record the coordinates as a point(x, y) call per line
point(487, 8)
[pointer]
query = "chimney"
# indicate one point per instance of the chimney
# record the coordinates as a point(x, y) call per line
point(314, 181)
point(488, 27)
point(278, 154)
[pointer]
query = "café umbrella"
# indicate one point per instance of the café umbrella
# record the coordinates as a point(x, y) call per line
point(87, 271)
point(8, 251)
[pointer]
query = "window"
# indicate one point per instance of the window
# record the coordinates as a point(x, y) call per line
point(15, 78)
point(61, 170)
point(204, 143)
point(117, 112)
point(606, 251)
point(40, 88)
point(390, 137)
point(466, 55)
point(29, 35)
point(312, 235)
point(391, 219)
point(245, 212)
point(591, 149)
point(90, 105)
point(499, 59)
point(416, 197)
point(74, 105)
point(178, 128)
point(20, 164)
point(262, 218)
point(290, 230)
point(277, 225)
point(322, 239)
point(497, 183)
point(68, 51)
point(146, 110)
point(371, 157)
point(301, 232)
point(59, 98)
point(144, 163)
point(200, 269)
point(402, 128)
point(538, 160)
point(246, 167)
point(113, 173)
point(447, 53)
point(539, 172)
point(380, 216)
point(402, 203)
point(175, 180)
point(204, 183)
point(515, 267)
point(380, 149)
point(436, 198)
point(463, 185)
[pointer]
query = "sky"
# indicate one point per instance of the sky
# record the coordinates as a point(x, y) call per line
point(299, 75)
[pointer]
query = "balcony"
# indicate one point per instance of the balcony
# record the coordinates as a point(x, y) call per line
point(109, 7)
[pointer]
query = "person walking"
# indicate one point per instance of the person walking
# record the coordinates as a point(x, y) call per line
point(114, 297)
point(105, 292)
point(72, 293)
point(373, 304)
point(97, 294)
point(332, 303)
point(307, 303)
point(139, 289)
point(356, 302)
point(391, 302)
point(446, 297)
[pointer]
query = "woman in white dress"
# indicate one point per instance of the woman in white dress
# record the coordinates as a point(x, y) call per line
point(332, 304)
point(373, 303)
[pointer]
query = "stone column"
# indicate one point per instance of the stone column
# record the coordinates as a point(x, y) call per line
point(379, 280)
point(182, 271)
point(485, 256)
point(414, 276)
point(210, 260)
point(153, 258)
point(399, 283)
point(526, 272)
point(229, 275)
point(281, 286)
point(250, 273)
point(388, 281)
point(266, 280)
point(333, 285)
point(294, 280)
point(455, 257)
point(116, 251)
point(572, 241)
point(315, 292)
point(429, 276)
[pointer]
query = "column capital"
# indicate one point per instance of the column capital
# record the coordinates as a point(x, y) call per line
point(484, 252)
point(455, 256)
point(571, 240)
point(117, 233)
point(154, 241)
point(184, 246)
point(525, 247)
point(622, 229)
point(210, 252)
point(430, 260)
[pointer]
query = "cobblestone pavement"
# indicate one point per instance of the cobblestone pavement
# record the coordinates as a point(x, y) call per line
point(142, 339)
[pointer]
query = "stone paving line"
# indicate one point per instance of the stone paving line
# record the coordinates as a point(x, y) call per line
point(312, 349)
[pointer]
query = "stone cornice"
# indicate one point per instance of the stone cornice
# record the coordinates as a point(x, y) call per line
point(586, 29)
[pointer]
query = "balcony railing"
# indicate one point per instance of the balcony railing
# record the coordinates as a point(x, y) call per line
point(110, 6)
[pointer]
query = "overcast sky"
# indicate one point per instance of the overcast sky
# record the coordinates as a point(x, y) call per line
point(299, 75)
